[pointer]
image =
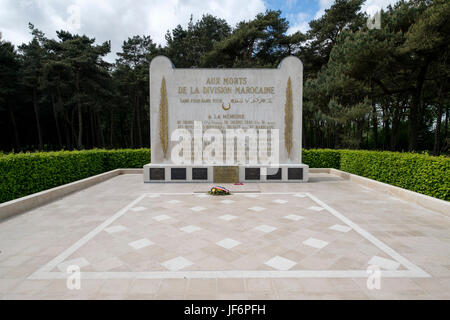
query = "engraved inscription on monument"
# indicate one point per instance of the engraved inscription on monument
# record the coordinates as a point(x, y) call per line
point(226, 125)
point(221, 100)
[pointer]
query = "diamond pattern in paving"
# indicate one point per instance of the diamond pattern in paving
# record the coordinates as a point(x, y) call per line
point(244, 233)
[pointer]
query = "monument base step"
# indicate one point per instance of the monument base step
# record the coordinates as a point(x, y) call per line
point(157, 173)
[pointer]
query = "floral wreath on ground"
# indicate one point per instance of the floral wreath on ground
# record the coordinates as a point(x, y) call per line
point(219, 191)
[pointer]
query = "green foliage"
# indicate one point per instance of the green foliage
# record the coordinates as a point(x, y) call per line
point(26, 173)
point(413, 171)
point(416, 172)
point(321, 158)
point(125, 158)
point(383, 88)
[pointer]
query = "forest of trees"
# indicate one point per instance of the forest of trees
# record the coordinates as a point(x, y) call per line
point(385, 89)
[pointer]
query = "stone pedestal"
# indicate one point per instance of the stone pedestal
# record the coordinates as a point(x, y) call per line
point(225, 174)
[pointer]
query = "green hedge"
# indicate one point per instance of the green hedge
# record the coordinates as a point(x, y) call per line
point(416, 172)
point(26, 173)
point(321, 158)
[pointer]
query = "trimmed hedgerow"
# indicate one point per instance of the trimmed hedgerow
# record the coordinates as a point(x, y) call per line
point(26, 173)
point(416, 172)
point(321, 158)
point(126, 158)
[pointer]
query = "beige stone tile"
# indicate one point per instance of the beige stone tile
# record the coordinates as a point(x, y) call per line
point(283, 284)
point(232, 296)
point(115, 286)
point(202, 287)
point(7, 285)
point(36, 237)
point(166, 296)
point(30, 286)
point(259, 285)
point(174, 287)
point(272, 295)
point(140, 297)
point(229, 286)
point(145, 286)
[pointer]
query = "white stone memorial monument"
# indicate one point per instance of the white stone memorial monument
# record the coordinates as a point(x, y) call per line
point(226, 125)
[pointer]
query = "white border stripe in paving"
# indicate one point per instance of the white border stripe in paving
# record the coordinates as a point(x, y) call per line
point(202, 195)
point(66, 253)
point(299, 195)
point(315, 208)
point(79, 262)
point(412, 271)
point(115, 229)
point(224, 274)
point(227, 201)
point(380, 245)
point(384, 263)
point(136, 209)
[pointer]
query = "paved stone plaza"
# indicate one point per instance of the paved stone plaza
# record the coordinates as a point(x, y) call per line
point(277, 241)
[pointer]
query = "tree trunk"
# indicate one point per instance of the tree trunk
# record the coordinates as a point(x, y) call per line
point(446, 123)
point(395, 127)
point(337, 137)
point(36, 113)
point(437, 132)
point(133, 119)
point(92, 124)
point(16, 132)
point(414, 110)
point(375, 126)
point(55, 115)
point(101, 138)
point(385, 128)
point(359, 132)
point(80, 115)
point(111, 129)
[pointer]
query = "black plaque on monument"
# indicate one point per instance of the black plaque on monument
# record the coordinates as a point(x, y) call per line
point(274, 175)
point(295, 173)
point(157, 174)
point(199, 173)
point(178, 173)
point(252, 174)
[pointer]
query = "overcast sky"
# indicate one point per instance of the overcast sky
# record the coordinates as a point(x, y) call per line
point(116, 20)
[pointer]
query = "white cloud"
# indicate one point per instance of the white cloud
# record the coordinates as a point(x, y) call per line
point(298, 22)
point(369, 6)
point(323, 4)
point(372, 6)
point(116, 20)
